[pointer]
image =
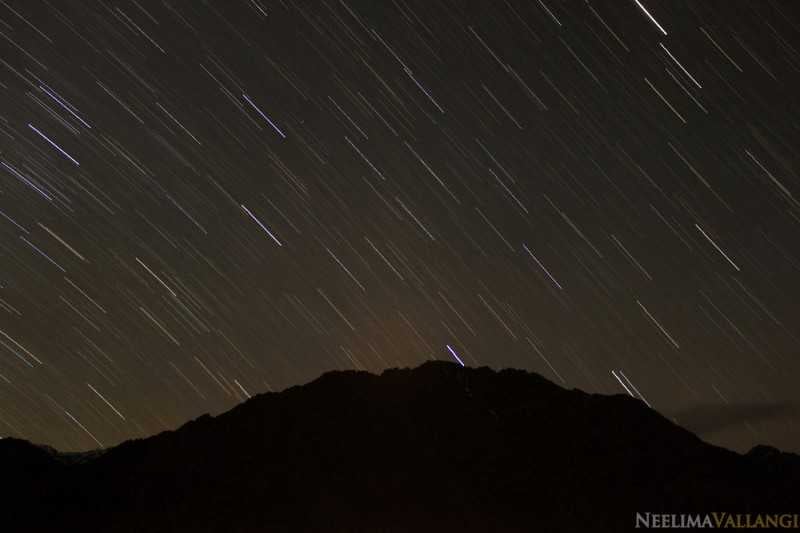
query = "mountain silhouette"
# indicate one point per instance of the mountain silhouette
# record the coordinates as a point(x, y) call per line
point(436, 448)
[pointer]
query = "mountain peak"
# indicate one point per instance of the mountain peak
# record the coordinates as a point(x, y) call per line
point(438, 447)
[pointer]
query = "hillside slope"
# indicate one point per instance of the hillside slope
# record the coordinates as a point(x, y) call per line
point(436, 448)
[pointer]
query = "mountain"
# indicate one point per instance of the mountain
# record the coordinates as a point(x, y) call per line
point(435, 448)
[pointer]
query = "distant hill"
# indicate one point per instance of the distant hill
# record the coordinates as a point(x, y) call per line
point(435, 448)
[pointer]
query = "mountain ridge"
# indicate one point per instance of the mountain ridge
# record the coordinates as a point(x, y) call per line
point(433, 448)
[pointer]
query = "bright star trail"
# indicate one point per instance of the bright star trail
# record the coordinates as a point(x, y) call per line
point(203, 201)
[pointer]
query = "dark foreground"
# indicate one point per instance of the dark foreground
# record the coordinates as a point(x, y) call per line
point(436, 448)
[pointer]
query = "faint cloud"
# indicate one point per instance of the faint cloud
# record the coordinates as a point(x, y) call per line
point(705, 419)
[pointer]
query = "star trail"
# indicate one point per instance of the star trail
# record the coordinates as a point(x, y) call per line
point(205, 200)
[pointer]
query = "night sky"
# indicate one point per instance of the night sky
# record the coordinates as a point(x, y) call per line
point(205, 200)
